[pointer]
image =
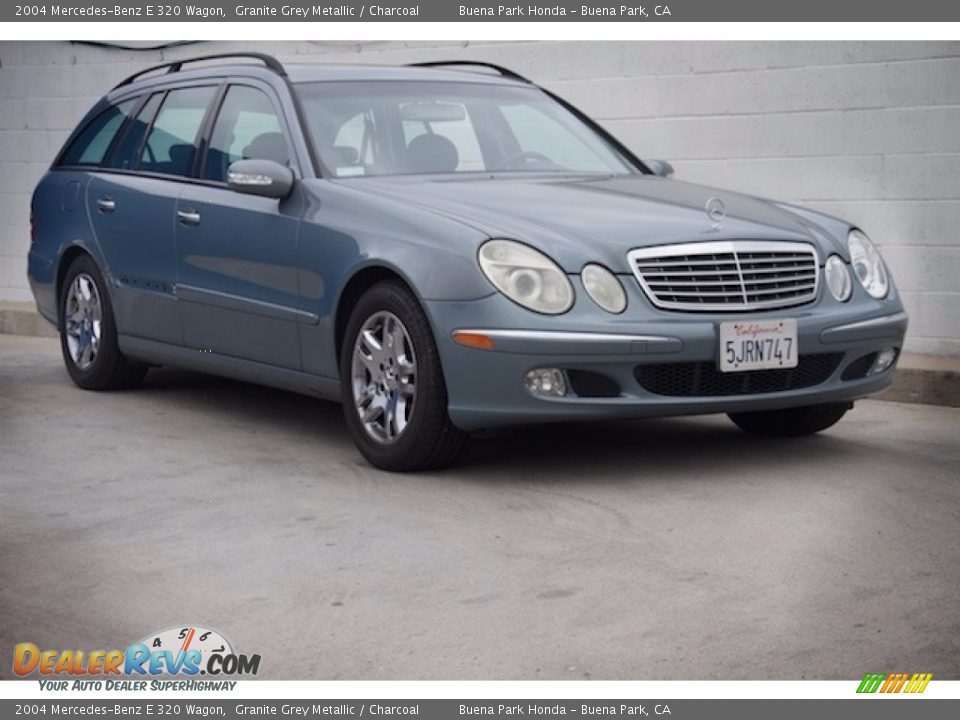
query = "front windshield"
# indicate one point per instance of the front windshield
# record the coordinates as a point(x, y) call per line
point(413, 128)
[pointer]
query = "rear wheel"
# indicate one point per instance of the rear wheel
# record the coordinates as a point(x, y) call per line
point(791, 422)
point(88, 333)
point(394, 396)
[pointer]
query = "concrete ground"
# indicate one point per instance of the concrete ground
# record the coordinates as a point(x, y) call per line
point(675, 549)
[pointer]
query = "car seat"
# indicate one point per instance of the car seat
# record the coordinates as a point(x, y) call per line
point(432, 153)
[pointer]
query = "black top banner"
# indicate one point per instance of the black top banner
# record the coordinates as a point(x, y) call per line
point(481, 11)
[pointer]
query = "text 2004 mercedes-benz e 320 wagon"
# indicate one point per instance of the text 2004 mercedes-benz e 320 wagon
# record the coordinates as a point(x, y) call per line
point(441, 250)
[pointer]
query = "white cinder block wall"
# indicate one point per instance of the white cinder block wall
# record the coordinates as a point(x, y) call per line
point(867, 131)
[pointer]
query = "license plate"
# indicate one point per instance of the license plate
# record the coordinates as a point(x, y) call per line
point(758, 345)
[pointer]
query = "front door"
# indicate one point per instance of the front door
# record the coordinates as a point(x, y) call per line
point(236, 254)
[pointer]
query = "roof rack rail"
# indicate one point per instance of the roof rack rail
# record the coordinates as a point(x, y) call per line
point(505, 72)
point(174, 66)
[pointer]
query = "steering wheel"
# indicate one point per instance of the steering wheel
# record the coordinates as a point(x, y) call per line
point(522, 158)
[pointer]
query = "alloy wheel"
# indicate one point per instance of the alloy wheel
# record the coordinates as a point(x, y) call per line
point(384, 377)
point(83, 315)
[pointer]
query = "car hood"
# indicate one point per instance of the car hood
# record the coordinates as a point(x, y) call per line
point(584, 218)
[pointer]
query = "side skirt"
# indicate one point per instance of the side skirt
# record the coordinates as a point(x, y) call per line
point(159, 353)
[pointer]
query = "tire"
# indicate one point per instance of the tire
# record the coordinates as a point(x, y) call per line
point(791, 422)
point(405, 403)
point(93, 362)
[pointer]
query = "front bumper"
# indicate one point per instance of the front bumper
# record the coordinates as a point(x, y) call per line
point(486, 388)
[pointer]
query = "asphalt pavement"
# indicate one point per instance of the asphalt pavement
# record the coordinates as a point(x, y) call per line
point(660, 549)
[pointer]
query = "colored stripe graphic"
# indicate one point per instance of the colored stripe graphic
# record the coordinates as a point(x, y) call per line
point(894, 682)
point(870, 683)
point(918, 683)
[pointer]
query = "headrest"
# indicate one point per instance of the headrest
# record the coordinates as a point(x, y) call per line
point(268, 146)
point(432, 153)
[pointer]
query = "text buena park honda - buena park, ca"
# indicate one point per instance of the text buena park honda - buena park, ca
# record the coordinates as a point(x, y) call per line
point(622, 710)
point(622, 11)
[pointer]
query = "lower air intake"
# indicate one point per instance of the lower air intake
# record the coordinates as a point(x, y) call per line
point(704, 379)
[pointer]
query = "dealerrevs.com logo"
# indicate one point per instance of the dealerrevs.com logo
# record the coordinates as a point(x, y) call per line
point(178, 651)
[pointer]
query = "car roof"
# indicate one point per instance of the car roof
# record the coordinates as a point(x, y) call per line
point(315, 72)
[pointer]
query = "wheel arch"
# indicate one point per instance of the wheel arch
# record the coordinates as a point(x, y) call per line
point(361, 281)
point(67, 258)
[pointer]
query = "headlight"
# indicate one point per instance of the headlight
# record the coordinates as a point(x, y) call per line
point(526, 276)
point(838, 279)
point(604, 288)
point(867, 264)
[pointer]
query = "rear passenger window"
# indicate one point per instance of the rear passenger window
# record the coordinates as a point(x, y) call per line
point(172, 143)
point(247, 127)
point(90, 146)
point(125, 155)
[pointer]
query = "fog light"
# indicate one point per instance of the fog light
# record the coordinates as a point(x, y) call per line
point(884, 360)
point(546, 382)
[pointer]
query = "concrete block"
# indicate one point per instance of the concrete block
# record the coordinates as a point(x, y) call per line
point(933, 314)
point(928, 379)
point(24, 146)
point(11, 54)
point(758, 92)
point(927, 176)
point(815, 134)
point(13, 115)
point(933, 269)
point(48, 113)
point(942, 347)
point(14, 213)
point(13, 81)
point(900, 222)
point(720, 56)
point(22, 318)
point(20, 177)
point(793, 179)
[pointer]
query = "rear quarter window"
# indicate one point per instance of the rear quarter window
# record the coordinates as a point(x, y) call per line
point(128, 147)
point(91, 145)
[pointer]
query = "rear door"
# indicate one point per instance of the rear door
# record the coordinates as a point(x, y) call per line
point(132, 204)
point(237, 253)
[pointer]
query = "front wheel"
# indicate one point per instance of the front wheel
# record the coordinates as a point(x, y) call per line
point(791, 422)
point(394, 395)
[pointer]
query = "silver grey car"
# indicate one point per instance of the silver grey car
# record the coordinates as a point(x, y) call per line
point(440, 248)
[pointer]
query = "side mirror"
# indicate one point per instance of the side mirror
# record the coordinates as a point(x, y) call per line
point(660, 167)
point(266, 178)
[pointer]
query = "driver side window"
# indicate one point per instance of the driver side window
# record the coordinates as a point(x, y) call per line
point(247, 127)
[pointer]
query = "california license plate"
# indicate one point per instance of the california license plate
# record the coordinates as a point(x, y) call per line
point(758, 345)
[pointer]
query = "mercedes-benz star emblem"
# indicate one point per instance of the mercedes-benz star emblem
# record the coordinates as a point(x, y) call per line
point(716, 211)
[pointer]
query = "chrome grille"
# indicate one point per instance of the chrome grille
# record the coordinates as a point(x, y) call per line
point(727, 275)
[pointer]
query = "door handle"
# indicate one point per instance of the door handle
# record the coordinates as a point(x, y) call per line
point(188, 217)
point(106, 205)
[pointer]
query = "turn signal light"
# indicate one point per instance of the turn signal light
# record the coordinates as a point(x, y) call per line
point(474, 340)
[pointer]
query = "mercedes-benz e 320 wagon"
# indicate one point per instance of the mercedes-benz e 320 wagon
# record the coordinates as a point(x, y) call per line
point(441, 248)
